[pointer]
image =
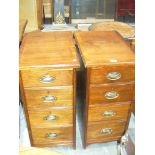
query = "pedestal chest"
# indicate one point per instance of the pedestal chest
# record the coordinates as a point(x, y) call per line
point(109, 63)
point(48, 87)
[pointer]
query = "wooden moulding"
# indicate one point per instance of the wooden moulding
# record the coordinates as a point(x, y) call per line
point(86, 108)
point(23, 99)
point(74, 109)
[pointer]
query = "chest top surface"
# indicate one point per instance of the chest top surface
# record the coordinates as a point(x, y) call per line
point(102, 48)
point(48, 49)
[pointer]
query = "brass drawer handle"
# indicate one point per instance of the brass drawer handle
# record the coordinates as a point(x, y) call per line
point(106, 131)
point(113, 76)
point(109, 113)
point(51, 135)
point(49, 98)
point(47, 79)
point(50, 117)
point(111, 95)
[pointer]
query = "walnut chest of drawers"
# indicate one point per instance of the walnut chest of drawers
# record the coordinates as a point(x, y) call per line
point(48, 87)
point(109, 63)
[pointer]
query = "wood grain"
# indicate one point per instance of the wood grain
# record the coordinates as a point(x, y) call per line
point(126, 30)
point(42, 49)
point(86, 103)
point(95, 113)
point(63, 96)
point(94, 131)
point(63, 117)
point(99, 75)
point(24, 102)
point(40, 136)
point(31, 78)
point(100, 48)
point(104, 140)
point(74, 108)
point(97, 93)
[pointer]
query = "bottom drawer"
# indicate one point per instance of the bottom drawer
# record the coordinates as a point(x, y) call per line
point(104, 131)
point(52, 136)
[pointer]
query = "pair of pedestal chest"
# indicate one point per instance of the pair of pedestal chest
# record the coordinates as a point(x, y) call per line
point(48, 62)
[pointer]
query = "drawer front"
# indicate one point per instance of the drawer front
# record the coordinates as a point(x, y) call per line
point(52, 135)
point(49, 118)
point(108, 112)
point(104, 130)
point(49, 97)
point(112, 74)
point(46, 77)
point(111, 93)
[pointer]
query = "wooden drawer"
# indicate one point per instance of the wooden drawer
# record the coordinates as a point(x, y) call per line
point(46, 77)
point(98, 132)
point(109, 112)
point(112, 74)
point(49, 97)
point(51, 117)
point(52, 135)
point(111, 93)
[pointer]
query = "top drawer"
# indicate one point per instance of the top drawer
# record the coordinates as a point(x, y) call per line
point(46, 77)
point(112, 74)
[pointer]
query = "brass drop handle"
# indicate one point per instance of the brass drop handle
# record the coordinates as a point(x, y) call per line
point(109, 113)
point(51, 135)
point(106, 131)
point(49, 98)
point(111, 95)
point(50, 117)
point(113, 76)
point(47, 79)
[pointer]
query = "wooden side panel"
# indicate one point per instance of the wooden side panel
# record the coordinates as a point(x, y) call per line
point(74, 109)
point(39, 4)
point(24, 102)
point(85, 128)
